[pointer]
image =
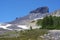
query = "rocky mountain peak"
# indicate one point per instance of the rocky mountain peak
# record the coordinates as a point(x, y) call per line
point(41, 10)
point(37, 13)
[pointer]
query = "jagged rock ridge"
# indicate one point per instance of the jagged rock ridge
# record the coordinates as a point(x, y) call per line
point(41, 10)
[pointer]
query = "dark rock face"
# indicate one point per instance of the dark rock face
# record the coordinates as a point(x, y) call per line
point(41, 10)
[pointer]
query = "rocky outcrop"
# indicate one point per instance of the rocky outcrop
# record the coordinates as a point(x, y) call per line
point(52, 35)
point(41, 10)
point(56, 13)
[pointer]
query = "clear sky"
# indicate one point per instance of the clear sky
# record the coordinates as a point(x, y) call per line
point(10, 9)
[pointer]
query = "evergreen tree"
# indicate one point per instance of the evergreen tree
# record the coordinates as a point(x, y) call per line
point(50, 20)
point(45, 22)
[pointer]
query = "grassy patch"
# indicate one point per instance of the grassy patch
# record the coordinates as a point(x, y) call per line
point(33, 34)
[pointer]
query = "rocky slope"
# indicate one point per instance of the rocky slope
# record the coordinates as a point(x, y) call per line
point(56, 13)
point(25, 22)
point(37, 13)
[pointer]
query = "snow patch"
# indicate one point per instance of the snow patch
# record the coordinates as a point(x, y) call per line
point(4, 26)
point(23, 26)
point(38, 18)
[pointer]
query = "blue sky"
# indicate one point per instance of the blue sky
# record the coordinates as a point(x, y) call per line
point(10, 9)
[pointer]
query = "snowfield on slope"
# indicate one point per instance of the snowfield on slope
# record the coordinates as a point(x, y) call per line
point(10, 25)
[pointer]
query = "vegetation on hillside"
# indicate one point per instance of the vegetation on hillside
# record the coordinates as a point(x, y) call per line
point(49, 22)
point(33, 34)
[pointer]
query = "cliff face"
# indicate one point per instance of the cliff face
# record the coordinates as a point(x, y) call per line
point(37, 13)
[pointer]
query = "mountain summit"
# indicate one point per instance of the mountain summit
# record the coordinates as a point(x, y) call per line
point(37, 13)
point(41, 10)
